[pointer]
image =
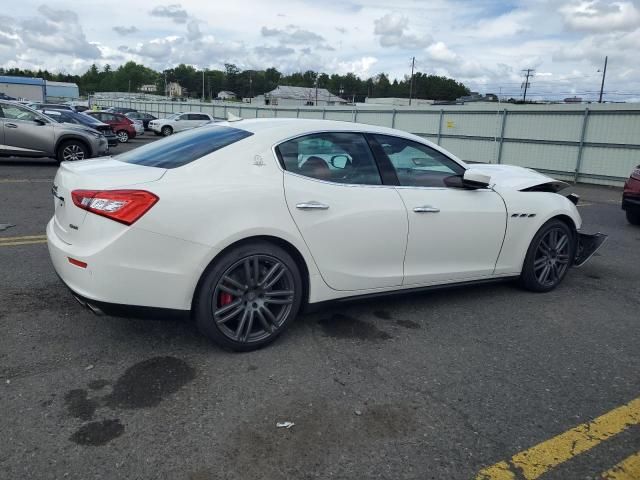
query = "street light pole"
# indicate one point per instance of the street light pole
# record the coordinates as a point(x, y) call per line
point(413, 64)
point(604, 73)
point(203, 84)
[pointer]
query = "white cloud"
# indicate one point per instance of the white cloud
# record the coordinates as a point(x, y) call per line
point(392, 27)
point(601, 16)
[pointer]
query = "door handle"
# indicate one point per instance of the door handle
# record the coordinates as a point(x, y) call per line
point(426, 209)
point(11, 125)
point(312, 205)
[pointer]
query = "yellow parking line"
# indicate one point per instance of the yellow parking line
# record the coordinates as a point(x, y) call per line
point(24, 240)
point(27, 237)
point(25, 180)
point(627, 469)
point(541, 458)
point(13, 244)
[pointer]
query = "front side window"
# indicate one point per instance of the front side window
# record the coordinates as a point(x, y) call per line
point(334, 157)
point(417, 165)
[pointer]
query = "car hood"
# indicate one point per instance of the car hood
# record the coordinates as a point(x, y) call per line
point(518, 178)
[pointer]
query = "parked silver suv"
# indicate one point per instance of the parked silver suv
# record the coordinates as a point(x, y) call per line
point(27, 133)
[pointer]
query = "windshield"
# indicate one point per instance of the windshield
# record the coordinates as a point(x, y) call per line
point(175, 115)
point(183, 148)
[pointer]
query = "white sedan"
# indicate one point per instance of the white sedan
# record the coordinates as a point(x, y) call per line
point(244, 223)
point(179, 122)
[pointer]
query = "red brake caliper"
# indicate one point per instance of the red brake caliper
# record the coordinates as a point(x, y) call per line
point(225, 299)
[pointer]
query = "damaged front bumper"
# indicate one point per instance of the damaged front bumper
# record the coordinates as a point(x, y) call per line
point(588, 244)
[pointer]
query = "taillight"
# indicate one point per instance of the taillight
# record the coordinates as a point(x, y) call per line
point(124, 206)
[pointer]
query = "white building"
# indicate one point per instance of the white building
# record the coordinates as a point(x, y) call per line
point(150, 88)
point(174, 89)
point(397, 102)
point(226, 95)
point(300, 96)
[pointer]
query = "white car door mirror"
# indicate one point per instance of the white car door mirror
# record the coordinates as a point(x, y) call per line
point(475, 179)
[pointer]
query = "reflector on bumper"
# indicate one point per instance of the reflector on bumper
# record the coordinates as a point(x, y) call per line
point(588, 244)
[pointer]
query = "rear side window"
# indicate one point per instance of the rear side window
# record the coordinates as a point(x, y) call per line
point(183, 148)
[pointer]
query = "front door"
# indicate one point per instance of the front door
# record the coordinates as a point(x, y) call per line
point(355, 227)
point(455, 234)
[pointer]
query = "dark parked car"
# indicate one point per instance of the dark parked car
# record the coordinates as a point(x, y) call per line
point(631, 197)
point(145, 118)
point(67, 116)
point(54, 106)
point(120, 124)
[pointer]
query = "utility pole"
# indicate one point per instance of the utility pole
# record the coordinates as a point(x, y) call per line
point(203, 84)
point(413, 65)
point(528, 73)
point(604, 73)
point(250, 86)
point(317, 77)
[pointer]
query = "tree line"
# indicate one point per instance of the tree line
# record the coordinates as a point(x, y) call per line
point(131, 76)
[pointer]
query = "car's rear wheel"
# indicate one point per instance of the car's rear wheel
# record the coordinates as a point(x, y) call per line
point(633, 217)
point(123, 136)
point(549, 257)
point(167, 130)
point(72, 150)
point(249, 296)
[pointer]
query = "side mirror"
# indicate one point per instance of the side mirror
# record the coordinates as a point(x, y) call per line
point(473, 179)
point(339, 161)
point(40, 121)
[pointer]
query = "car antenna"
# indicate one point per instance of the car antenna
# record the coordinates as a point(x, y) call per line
point(233, 118)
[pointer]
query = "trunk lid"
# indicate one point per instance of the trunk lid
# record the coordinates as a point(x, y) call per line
point(97, 174)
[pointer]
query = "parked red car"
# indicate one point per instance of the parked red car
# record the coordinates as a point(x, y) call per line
point(631, 197)
point(121, 125)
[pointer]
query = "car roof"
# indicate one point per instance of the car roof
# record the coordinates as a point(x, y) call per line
point(279, 129)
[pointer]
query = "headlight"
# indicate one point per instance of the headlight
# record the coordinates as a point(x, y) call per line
point(94, 133)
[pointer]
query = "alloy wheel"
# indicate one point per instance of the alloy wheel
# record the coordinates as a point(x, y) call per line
point(552, 257)
point(123, 137)
point(253, 298)
point(72, 152)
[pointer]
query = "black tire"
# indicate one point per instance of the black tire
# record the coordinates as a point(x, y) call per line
point(123, 136)
point(166, 130)
point(633, 217)
point(242, 311)
point(548, 259)
point(71, 150)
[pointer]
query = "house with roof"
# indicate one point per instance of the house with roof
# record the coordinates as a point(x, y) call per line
point(285, 95)
point(226, 95)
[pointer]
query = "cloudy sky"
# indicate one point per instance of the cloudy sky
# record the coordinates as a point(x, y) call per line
point(483, 43)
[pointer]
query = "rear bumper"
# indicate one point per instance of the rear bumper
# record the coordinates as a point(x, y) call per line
point(631, 202)
point(136, 268)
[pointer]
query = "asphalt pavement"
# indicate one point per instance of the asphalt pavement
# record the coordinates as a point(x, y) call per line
point(453, 384)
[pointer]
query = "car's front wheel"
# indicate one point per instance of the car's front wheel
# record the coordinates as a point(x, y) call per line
point(166, 131)
point(633, 217)
point(549, 257)
point(249, 296)
point(72, 150)
point(123, 136)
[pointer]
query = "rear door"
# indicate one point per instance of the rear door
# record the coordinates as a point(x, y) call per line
point(355, 227)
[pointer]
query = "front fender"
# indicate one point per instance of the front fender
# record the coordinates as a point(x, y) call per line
point(527, 212)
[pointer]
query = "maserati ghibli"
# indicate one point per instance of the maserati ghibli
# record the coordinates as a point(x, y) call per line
point(244, 223)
